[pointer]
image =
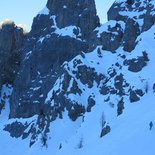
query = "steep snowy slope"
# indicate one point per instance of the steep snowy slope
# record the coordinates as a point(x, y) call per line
point(102, 101)
point(130, 133)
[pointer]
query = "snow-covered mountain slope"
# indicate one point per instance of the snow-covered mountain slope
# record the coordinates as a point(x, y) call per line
point(102, 101)
point(130, 132)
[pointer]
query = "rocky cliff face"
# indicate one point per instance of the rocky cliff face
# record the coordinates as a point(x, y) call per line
point(11, 42)
point(74, 69)
point(57, 35)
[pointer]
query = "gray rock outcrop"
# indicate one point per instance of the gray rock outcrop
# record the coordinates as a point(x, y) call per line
point(75, 12)
point(11, 41)
point(143, 10)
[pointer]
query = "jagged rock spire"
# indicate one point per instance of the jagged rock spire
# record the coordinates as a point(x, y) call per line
point(81, 13)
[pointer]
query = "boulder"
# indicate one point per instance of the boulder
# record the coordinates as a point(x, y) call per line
point(133, 96)
point(137, 64)
point(105, 130)
point(91, 103)
point(120, 107)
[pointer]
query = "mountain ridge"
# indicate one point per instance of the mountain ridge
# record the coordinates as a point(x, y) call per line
point(75, 94)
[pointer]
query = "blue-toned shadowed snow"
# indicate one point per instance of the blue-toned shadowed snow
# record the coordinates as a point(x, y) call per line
point(130, 132)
